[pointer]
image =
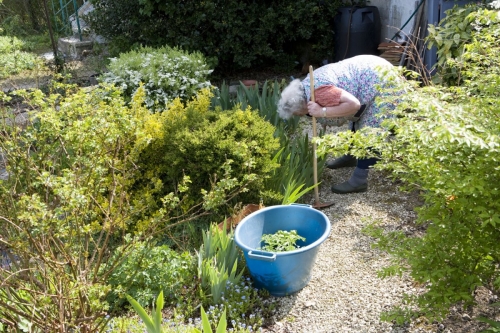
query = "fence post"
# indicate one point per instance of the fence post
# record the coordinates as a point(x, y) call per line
point(75, 6)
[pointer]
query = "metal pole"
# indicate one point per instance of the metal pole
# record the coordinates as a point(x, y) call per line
point(62, 11)
point(77, 20)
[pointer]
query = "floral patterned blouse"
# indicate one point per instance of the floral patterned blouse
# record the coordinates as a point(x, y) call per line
point(360, 76)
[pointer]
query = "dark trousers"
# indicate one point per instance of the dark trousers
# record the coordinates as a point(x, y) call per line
point(364, 163)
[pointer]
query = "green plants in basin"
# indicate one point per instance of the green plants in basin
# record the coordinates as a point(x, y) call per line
point(281, 241)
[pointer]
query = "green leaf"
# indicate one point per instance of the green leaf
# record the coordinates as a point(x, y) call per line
point(205, 322)
point(158, 315)
point(150, 326)
point(221, 328)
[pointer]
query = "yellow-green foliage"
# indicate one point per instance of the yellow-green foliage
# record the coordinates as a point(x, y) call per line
point(91, 173)
point(14, 58)
point(202, 146)
point(65, 204)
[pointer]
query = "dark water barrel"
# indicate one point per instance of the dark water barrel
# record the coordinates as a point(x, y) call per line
point(357, 31)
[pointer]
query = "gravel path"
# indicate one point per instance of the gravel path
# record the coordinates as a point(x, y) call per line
point(345, 294)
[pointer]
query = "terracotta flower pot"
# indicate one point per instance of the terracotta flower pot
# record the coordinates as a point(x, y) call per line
point(249, 83)
point(233, 221)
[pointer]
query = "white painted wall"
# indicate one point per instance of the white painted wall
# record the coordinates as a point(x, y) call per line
point(393, 15)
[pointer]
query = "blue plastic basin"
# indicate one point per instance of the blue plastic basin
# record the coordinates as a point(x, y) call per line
point(282, 273)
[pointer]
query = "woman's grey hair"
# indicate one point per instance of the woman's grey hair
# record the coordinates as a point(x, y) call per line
point(293, 99)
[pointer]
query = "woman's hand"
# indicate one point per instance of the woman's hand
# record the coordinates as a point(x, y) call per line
point(348, 106)
point(314, 109)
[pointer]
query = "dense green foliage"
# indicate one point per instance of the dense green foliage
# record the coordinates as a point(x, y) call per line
point(21, 18)
point(69, 201)
point(238, 34)
point(202, 147)
point(166, 73)
point(446, 147)
point(58, 210)
point(295, 155)
point(146, 271)
point(453, 33)
point(14, 58)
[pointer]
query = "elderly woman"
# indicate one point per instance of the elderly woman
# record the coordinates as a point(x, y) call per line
point(345, 90)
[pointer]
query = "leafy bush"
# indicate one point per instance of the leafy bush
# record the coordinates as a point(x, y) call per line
point(446, 146)
point(295, 155)
point(453, 32)
point(166, 73)
point(57, 209)
point(239, 34)
point(68, 203)
point(146, 271)
point(194, 143)
point(13, 59)
point(12, 25)
point(23, 19)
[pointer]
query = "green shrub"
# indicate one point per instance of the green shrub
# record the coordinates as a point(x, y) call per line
point(13, 26)
point(239, 34)
point(166, 73)
point(58, 213)
point(295, 155)
point(446, 147)
point(203, 147)
point(13, 58)
point(146, 271)
point(453, 32)
point(68, 203)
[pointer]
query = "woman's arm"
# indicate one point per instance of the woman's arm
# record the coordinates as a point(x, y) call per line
point(348, 106)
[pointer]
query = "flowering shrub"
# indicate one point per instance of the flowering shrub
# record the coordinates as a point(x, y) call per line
point(246, 307)
point(166, 73)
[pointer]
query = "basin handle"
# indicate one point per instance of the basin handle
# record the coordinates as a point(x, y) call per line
point(261, 255)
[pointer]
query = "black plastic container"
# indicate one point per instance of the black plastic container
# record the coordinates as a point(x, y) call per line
point(357, 31)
